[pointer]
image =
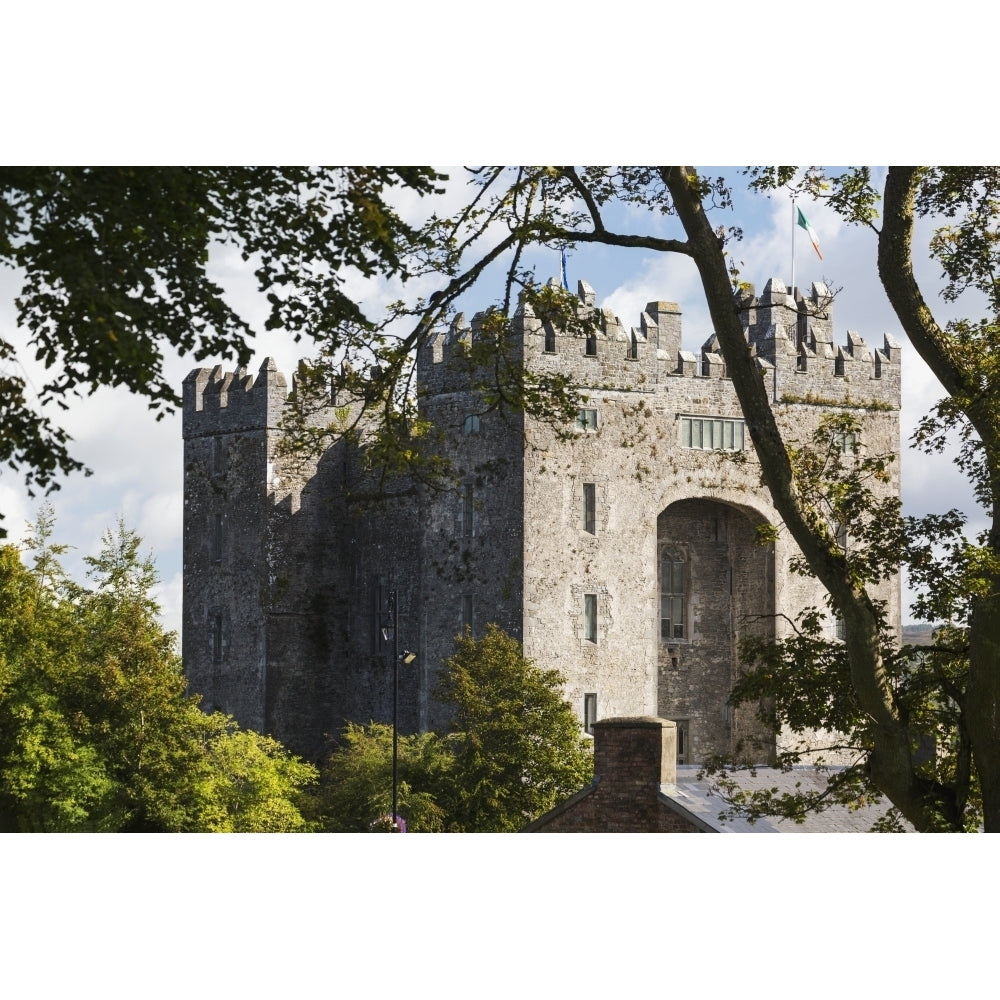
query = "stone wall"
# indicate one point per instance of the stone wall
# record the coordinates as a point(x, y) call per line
point(313, 547)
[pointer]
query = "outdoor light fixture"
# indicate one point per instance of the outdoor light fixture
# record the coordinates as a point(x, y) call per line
point(390, 631)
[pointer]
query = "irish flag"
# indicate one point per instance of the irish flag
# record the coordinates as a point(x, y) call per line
point(804, 223)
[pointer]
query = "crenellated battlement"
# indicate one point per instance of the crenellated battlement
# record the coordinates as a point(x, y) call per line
point(790, 334)
point(218, 401)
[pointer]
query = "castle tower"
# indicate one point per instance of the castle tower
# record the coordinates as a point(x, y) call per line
point(283, 579)
point(228, 422)
point(625, 553)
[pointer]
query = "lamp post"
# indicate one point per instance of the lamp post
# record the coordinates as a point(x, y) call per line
point(390, 630)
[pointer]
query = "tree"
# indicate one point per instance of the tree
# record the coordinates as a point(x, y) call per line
point(115, 265)
point(356, 781)
point(518, 748)
point(251, 784)
point(512, 751)
point(563, 206)
point(557, 206)
point(959, 356)
point(96, 731)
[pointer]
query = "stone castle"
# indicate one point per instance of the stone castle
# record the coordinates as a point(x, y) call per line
point(623, 554)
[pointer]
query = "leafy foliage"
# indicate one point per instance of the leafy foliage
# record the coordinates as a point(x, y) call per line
point(96, 732)
point(803, 686)
point(518, 748)
point(251, 783)
point(356, 781)
point(116, 269)
point(512, 751)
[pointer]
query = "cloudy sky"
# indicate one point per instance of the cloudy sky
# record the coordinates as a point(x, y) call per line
point(137, 461)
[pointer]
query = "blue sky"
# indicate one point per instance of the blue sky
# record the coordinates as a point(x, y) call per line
point(137, 460)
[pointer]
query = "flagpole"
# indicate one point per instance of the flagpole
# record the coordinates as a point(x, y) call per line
point(794, 227)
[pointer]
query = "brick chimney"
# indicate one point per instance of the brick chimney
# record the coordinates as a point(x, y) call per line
point(632, 759)
point(635, 755)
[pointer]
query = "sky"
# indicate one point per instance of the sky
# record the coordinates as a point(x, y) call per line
point(137, 460)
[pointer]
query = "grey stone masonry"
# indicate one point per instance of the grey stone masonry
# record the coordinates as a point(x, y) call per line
point(621, 550)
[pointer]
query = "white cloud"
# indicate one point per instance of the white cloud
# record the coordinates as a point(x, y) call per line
point(17, 511)
point(169, 594)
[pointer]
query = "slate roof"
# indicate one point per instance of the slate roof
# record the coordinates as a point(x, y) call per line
point(696, 799)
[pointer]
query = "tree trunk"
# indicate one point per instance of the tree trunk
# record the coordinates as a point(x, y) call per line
point(981, 710)
point(892, 766)
point(981, 706)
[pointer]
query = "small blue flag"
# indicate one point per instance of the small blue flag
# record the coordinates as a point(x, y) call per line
point(565, 279)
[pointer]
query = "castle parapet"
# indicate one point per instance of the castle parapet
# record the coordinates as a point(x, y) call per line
point(217, 401)
point(790, 334)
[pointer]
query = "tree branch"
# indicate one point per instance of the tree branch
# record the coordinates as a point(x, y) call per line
point(891, 756)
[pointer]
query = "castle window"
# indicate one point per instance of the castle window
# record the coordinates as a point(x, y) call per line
point(590, 617)
point(471, 424)
point(467, 619)
point(217, 538)
point(591, 348)
point(217, 639)
point(589, 712)
point(218, 457)
point(846, 442)
point(839, 628)
point(590, 508)
point(587, 420)
point(673, 596)
point(550, 339)
point(683, 740)
point(712, 433)
point(468, 511)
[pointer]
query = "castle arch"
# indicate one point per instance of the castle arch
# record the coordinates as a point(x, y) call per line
point(716, 587)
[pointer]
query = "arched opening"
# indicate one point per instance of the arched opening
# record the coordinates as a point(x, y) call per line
point(716, 587)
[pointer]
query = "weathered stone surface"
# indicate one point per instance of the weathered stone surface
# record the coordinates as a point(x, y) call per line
point(282, 610)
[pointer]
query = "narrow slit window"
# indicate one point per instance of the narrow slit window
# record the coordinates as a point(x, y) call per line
point(683, 740)
point(217, 639)
point(468, 510)
point(589, 712)
point(673, 596)
point(218, 457)
point(590, 508)
point(590, 617)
